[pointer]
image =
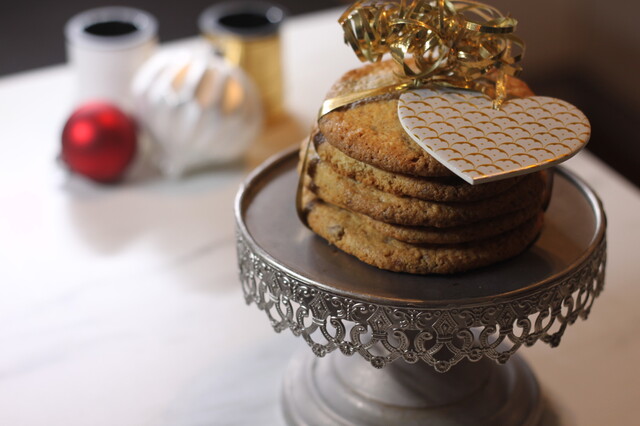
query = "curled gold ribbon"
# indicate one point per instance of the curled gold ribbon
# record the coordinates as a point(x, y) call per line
point(462, 44)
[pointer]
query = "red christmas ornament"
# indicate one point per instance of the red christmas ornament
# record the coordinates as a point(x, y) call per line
point(99, 142)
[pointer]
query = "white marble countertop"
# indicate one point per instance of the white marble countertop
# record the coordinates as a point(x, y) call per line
point(120, 305)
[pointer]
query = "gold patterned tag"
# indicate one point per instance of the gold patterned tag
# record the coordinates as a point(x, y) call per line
point(463, 131)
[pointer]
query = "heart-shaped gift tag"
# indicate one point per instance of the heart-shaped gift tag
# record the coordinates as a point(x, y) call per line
point(464, 132)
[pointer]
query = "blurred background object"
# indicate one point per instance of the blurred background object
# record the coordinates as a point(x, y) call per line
point(198, 108)
point(105, 47)
point(99, 141)
point(246, 33)
point(31, 30)
point(584, 51)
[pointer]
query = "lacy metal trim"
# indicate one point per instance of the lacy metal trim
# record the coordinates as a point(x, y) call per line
point(441, 337)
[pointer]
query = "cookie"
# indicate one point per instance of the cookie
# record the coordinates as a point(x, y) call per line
point(373, 192)
point(370, 131)
point(449, 189)
point(344, 230)
point(528, 193)
point(453, 235)
point(367, 77)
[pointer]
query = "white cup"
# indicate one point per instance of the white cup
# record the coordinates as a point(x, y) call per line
point(106, 46)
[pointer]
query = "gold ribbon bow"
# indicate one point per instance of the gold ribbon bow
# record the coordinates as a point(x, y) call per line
point(463, 44)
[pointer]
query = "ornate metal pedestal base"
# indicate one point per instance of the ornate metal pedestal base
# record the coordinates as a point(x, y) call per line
point(434, 340)
point(340, 390)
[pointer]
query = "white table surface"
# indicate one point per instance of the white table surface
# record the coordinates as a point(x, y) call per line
point(120, 305)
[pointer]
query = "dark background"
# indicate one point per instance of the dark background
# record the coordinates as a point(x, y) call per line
point(31, 32)
point(31, 36)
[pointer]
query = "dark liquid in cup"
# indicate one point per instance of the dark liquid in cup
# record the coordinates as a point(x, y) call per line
point(244, 20)
point(111, 28)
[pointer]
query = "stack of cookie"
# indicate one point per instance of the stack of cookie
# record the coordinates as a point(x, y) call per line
point(374, 193)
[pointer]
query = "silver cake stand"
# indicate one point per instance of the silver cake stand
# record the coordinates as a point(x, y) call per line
point(439, 350)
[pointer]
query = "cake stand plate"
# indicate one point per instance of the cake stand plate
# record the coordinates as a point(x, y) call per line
point(443, 332)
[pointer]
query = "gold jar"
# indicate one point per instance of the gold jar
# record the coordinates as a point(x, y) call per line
point(247, 34)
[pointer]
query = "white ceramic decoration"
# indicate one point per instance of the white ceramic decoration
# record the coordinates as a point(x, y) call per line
point(199, 109)
point(463, 131)
point(106, 47)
